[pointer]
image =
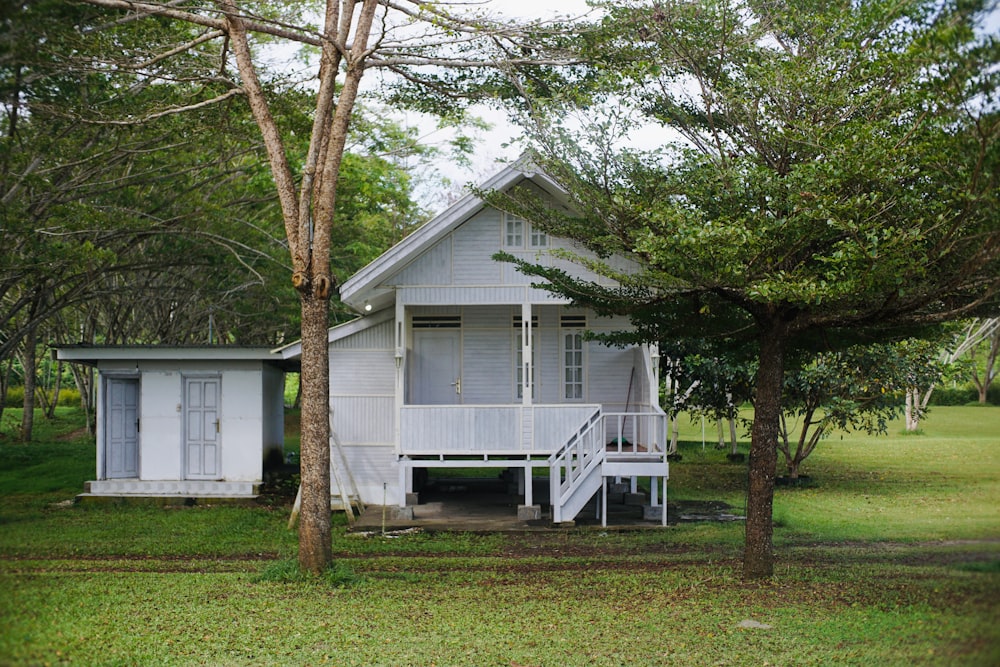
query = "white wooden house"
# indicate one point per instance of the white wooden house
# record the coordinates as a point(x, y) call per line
point(457, 361)
point(192, 422)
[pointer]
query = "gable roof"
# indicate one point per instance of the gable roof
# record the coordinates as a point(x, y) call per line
point(338, 332)
point(364, 286)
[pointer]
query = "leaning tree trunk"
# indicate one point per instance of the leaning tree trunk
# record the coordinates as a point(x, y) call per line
point(758, 555)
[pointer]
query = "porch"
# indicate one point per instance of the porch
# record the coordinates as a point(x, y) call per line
point(581, 447)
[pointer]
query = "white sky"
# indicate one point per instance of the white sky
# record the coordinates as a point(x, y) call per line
point(491, 150)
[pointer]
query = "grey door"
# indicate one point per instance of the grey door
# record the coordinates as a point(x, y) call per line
point(202, 435)
point(436, 377)
point(121, 428)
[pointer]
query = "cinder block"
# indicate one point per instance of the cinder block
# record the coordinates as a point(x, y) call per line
point(652, 512)
point(529, 512)
point(401, 513)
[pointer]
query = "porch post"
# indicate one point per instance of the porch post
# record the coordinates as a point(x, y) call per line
point(654, 380)
point(526, 347)
point(528, 511)
point(399, 332)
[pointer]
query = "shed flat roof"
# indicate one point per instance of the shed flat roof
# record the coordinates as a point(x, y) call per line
point(91, 354)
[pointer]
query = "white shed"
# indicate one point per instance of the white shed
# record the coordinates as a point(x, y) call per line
point(184, 421)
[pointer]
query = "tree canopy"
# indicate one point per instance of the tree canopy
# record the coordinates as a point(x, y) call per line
point(828, 176)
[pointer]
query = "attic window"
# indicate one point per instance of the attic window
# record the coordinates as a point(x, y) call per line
point(517, 230)
point(437, 321)
point(537, 238)
point(513, 230)
point(573, 321)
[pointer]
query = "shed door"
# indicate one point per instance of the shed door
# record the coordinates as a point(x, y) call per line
point(121, 428)
point(201, 428)
point(436, 377)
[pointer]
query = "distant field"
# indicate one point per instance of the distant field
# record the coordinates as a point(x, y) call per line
point(890, 557)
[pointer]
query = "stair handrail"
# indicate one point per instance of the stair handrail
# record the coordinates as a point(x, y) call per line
point(582, 452)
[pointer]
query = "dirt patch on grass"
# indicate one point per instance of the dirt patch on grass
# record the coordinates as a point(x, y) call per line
point(73, 435)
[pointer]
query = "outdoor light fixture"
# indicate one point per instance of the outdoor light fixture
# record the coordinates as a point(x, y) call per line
point(368, 307)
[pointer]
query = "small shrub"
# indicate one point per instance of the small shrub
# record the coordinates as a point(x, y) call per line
point(964, 395)
point(15, 396)
point(67, 397)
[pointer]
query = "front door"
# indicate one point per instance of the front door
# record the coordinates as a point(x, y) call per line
point(201, 428)
point(121, 428)
point(436, 370)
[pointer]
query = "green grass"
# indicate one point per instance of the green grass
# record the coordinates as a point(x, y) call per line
point(890, 557)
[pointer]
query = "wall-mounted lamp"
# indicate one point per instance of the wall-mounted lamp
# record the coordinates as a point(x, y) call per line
point(368, 307)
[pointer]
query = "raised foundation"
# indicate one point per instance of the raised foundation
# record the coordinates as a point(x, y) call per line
point(635, 499)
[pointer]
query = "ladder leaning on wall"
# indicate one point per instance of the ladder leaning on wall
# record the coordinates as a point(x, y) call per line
point(349, 497)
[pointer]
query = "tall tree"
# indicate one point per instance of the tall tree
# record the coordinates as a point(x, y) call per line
point(983, 375)
point(354, 36)
point(833, 180)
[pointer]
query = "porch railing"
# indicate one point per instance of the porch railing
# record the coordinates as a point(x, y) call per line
point(575, 462)
point(636, 432)
point(442, 430)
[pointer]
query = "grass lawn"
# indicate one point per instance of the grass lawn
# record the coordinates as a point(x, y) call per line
point(890, 557)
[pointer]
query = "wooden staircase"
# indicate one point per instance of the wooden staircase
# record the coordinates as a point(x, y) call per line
point(583, 466)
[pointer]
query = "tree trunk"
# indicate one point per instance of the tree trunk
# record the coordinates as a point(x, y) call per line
point(28, 364)
point(315, 546)
point(913, 409)
point(83, 378)
point(50, 411)
point(674, 434)
point(4, 383)
point(758, 555)
point(734, 450)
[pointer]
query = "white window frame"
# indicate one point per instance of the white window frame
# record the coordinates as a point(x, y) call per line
point(520, 234)
point(513, 230)
point(577, 383)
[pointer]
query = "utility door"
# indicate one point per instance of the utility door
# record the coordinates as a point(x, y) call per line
point(201, 428)
point(121, 428)
point(436, 370)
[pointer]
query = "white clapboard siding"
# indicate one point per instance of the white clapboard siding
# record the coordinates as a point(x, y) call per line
point(608, 373)
point(548, 366)
point(433, 267)
point(489, 317)
point(473, 246)
point(374, 470)
point(487, 365)
point(362, 372)
point(363, 420)
point(378, 337)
